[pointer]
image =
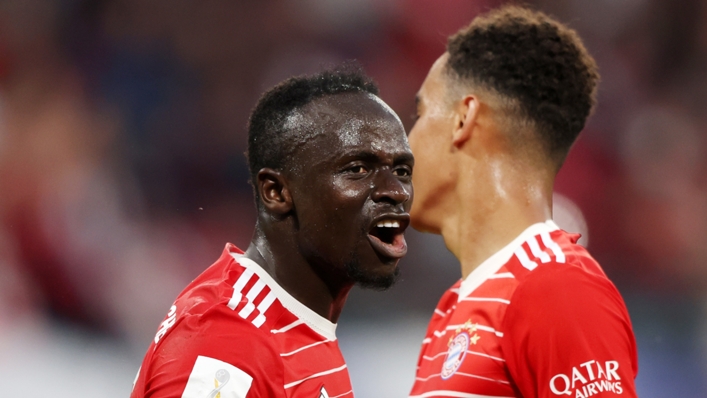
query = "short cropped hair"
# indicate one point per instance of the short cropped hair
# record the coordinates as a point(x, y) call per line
point(537, 63)
point(273, 134)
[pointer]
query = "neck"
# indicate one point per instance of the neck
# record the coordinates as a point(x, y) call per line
point(493, 203)
point(293, 273)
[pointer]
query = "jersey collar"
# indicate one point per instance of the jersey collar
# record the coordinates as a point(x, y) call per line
point(315, 321)
point(492, 264)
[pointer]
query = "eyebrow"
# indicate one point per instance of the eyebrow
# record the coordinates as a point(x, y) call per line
point(402, 157)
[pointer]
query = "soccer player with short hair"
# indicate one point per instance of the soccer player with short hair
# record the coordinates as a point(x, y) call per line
point(534, 314)
point(331, 169)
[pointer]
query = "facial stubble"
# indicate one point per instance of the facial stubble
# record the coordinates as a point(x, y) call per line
point(367, 279)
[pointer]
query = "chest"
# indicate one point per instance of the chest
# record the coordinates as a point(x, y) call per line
point(313, 366)
point(462, 353)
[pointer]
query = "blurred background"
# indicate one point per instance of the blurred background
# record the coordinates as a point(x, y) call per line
point(122, 174)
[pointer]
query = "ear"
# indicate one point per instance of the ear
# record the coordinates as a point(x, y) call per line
point(274, 192)
point(466, 113)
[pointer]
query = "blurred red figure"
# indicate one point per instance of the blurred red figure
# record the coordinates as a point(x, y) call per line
point(534, 315)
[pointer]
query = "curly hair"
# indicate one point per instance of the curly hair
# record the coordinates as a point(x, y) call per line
point(273, 132)
point(536, 62)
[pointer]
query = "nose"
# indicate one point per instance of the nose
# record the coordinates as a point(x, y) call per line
point(389, 188)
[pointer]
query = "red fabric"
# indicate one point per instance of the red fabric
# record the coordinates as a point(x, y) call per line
point(205, 325)
point(552, 327)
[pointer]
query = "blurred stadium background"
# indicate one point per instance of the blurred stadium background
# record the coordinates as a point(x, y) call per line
point(122, 175)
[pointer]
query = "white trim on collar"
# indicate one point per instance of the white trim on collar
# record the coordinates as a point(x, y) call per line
point(315, 321)
point(492, 264)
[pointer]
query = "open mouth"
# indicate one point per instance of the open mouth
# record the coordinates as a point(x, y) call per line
point(387, 235)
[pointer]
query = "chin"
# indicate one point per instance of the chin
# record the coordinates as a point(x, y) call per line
point(373, 280)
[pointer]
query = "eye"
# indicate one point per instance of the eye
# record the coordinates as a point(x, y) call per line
point(402, 171)
point(358, 169)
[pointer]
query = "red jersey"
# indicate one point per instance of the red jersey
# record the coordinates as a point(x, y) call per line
point(537, 319)
point(235, 333)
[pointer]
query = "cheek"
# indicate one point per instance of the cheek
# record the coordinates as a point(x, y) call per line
point(339, 205)
point(427, 145)
point(350, 193)
point(416, 135)
point(433, 174)
point(428, 135)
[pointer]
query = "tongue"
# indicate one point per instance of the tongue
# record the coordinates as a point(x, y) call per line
point(399, 243)
point(396, 249)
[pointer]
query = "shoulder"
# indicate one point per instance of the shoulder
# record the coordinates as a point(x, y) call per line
point(551, 264)
point(206, 349)
point(563, 318)
point(569, 283)
point(210, 330)
point(449, 298)
point(446, 303)
point(564, 303)
point(562, 290)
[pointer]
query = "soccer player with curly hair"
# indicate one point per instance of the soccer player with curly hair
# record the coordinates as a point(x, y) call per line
point(534, 315)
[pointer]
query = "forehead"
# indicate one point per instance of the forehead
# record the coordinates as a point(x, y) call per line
point(435, 84)
point(354, 122)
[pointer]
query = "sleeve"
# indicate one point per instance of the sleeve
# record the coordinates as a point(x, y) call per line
point(568, 333)
point(215, 359)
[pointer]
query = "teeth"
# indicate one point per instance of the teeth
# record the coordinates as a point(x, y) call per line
point(388, 224)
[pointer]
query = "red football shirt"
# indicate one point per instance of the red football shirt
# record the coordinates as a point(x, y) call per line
point(235, 333)
point(537, 319)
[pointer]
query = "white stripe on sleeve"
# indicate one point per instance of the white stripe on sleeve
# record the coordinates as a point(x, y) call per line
point(262, 307)
point(455, 394)
point(238, 288)
point(324, 373)
point(288, 327)
point(493, 299)
point(552, 245)
point(524, 260)
point(501, 275)
point(537, 252)
point(251, 295)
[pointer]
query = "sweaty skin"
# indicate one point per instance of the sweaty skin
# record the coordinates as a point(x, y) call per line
point(352, 168)
point(471, 187)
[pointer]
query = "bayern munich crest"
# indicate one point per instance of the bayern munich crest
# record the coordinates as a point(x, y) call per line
point(458, 345)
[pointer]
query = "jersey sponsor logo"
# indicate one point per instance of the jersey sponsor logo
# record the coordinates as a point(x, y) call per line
point(588, 379)
point(167, 323)
point(212, 378)
point(458, 344)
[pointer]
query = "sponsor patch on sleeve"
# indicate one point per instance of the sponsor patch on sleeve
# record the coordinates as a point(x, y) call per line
point(211, 378)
